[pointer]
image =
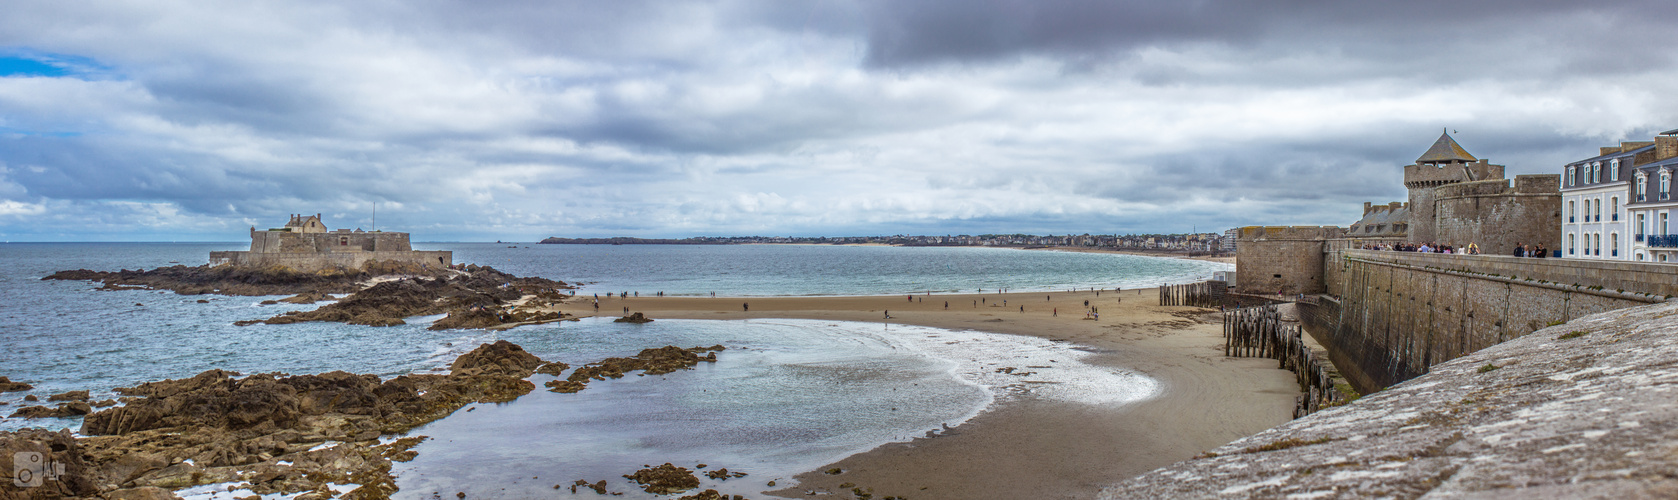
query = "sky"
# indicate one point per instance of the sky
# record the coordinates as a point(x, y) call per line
point(494, 120)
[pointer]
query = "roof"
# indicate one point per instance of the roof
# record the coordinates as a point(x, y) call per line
point(1446, 149)
point(1670, 132)
point(1615, 154)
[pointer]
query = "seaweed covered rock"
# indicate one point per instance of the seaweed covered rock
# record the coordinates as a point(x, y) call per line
point(664, 479)
point(501, 358)
point(655, 361)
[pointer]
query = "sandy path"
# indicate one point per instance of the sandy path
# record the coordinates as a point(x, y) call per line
point(1035, 448)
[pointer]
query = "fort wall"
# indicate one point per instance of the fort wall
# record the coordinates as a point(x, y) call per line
point(1497, 214)
point(1393, 315)
point(311, 262)
point(1286, 259)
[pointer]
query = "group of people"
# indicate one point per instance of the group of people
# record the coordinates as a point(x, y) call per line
point(1531, 251)
point(1427, 247)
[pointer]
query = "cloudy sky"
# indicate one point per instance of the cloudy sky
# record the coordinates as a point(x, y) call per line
point(483, 120)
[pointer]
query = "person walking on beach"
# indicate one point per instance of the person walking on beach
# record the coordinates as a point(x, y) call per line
point(1022, 308)
point(625, 311)
point(911, 298)
point(888, 314)
point(1057, 312)
point(745, 307)
point(946, 305)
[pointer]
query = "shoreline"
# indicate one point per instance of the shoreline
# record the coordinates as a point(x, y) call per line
point(1030, 447)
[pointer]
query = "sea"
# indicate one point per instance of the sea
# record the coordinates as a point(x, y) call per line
point(787, 396)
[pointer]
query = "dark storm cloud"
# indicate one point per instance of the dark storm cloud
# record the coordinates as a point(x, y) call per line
point(930, 31)
point(511, 119)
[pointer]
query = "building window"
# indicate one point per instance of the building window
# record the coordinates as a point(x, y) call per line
point(1613, 244)
point(1614, 170)
point(1663, 224)
point(1570, 210)
point(343, 241)
point(1666, 185)
point(1642, 187)
point(1598, 211)
point(1614, 208)
point(1570, 243)
point(1596, 243)
point(1642, 226)
point(1572, 176)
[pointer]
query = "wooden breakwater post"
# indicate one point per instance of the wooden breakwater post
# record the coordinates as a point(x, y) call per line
point(1202, 294)
point(1259, 332)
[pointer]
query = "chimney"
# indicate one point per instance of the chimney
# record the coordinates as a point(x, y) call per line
point(1666, 145)
point(1608, 150)
point(1366, 208)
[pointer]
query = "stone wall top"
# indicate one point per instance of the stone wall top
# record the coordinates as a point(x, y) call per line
point(1251, 233)
point(1634, 277)
point(1583, 409)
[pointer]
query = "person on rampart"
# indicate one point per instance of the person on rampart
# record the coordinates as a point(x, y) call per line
point(1520, 251)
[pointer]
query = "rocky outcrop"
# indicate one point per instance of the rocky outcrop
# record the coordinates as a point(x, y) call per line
point(48, 464)
point(61, 411)
point(656, 361)
point(633, 318)
point(69, 396)
point(1583, 409)
point(7, 385)
point(664, 479)
point(277, 432)
point(387, 303)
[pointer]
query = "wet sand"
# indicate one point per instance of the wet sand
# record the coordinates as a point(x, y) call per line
point(1034, 448)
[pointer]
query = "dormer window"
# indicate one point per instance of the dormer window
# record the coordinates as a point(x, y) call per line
point(1614, 171)
point(1572, 176)
point(1642, 187)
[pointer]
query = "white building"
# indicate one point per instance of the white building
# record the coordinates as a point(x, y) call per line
point(1652, 207)
point(1594, 199)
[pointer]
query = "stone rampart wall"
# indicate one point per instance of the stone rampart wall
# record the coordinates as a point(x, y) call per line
point(310, 262)
point(1394, 315)
point(1282, 258)
point(1495, 215)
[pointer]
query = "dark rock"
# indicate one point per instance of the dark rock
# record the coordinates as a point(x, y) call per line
point(554, 368)
point(69, 396)
point(664, 479)
point(633, 318)
point(501, 358)
point(31, 397)
point(7, 385)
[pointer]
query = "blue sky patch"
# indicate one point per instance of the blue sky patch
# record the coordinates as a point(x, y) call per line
point(22, 66)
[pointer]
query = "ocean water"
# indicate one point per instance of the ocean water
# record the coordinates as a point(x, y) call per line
point(786, 397)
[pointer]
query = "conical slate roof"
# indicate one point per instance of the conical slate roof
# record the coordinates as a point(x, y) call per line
point(1446, 149)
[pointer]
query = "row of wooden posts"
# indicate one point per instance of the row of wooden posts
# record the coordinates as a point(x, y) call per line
point(1258, 332)
point(1202, 294)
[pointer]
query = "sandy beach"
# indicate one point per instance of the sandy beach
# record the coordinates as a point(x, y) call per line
point(1033, 448)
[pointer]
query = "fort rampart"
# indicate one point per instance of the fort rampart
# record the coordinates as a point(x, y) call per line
point(1392, 315)
point(310, 262)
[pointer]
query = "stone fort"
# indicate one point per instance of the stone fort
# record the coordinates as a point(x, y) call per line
point(1455, 199)
point(305, 244)
point(1388, 316)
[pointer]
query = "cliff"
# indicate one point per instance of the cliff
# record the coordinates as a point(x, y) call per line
point(1583, 409)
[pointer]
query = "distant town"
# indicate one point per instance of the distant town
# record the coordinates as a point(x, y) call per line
point(1195, 243)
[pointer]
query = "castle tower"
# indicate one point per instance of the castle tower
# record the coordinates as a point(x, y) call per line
point(1444, 163)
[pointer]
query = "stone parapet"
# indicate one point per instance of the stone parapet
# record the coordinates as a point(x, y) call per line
point(1578, 410)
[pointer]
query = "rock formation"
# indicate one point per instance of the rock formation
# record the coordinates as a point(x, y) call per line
point(633, 318)
point(7, 385)
point(657, 361)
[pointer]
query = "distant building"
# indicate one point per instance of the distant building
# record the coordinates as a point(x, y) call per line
point(305, 244)
point(1651, 206)
point(1594, 198)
